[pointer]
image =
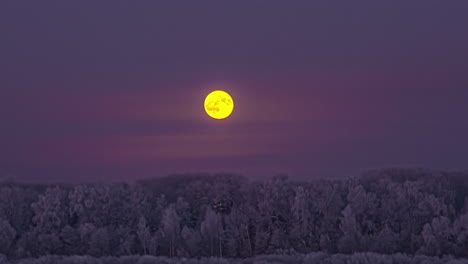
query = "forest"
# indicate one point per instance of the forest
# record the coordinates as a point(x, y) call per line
point(410, 213)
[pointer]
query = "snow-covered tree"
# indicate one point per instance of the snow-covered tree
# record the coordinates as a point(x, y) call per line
point(438, 237)
point(50, 216)
point(71, 241)
point(7, 236)
point(460, 233)
point(192, 241)
point(170, 225)
point(50, 211)
point(301, 232)
point(351, 240)
point(122, 240)
point(144, 234)
point(238, 235)
point(386, 241)
point(212, 231)
point(99, 243)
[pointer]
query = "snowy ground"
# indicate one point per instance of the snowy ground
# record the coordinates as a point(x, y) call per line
point(312, 258)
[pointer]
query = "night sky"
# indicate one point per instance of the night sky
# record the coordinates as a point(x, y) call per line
point(114, 90)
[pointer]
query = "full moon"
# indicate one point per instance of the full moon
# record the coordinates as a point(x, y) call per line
point(219, 104)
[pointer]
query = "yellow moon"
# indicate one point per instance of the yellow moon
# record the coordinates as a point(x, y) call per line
point(219, 104)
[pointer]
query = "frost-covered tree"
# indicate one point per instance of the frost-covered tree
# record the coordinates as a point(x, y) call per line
point(438, 237)
point(99, 243)
point(50, 216)
point(170, 227)
point(211, 232)
point(327, 206)
point(386, 241)
point(7, 236)
point(71, 241)
point(192, 241)
point(351, 240)
point(301, 234)
point(50, 211)
point(153, 246)
point(85, 231)
point(460, 234)
point(144, 234)
point(122, 240)
point(238, 231)
point(273, 216)
point(15, 206)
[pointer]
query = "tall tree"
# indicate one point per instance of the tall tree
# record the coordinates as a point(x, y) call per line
point(300, 229)
point(212, 231)
point(351, 240)
point(170, 225)
point(144, 234)
point(50, 216)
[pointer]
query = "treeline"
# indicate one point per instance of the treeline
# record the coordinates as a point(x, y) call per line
point(311, 258)
point(386, 211)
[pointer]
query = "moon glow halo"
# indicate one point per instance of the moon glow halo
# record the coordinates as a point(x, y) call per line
point(219, 104)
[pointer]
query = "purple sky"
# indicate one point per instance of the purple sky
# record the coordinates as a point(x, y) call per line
point(112, 90)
